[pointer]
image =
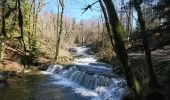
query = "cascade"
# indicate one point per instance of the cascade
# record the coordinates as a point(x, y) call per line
point(92, 75)
point(55, 68)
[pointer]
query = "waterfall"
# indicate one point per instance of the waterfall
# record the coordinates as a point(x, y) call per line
point(87, 72)
point(109, 87)
point(55, 69)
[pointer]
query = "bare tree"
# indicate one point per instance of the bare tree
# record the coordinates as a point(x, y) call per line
point(61, 2)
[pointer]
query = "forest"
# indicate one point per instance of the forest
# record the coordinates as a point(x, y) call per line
point(84, 49)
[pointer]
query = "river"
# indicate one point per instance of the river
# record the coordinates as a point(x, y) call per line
point(85, 79)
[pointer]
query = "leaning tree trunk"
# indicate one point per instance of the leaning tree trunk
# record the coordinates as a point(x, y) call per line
point(107, 23)
point(120, 49)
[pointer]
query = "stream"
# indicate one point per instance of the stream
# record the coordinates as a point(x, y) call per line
point(85, 79)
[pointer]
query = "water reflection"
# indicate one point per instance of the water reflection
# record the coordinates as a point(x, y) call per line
point(35, 86)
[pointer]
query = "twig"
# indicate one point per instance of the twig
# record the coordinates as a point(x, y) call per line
point(88, 7)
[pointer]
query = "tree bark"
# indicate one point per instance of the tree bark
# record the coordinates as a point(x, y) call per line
point(120, 49)
point(129, 20)
point(61, 29)
point(153, 81)
point(3, 30)
point(107, 23)
point(20, 18)
point(2, 49)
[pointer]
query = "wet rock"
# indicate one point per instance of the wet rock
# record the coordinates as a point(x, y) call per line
point(5, 75)
point(72, 50)
point(44, 66)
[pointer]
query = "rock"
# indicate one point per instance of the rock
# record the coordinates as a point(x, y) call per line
point(44, 66)
point(3, 78)
point(5, 75)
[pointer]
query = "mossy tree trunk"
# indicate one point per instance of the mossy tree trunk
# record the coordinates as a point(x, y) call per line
point(3, 30)
point(20, 19)
point(120, 49)
point(153, 79)
point(155, 92)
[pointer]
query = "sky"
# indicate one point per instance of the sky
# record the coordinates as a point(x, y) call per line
point(73, 8)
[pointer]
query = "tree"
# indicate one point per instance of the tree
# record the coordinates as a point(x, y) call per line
point(162, 11)
point(58, 37)
point(153, 78)
point(107, 23)
point(120, 49)
point(3, 30)
point(153, 81)
point(33, 39)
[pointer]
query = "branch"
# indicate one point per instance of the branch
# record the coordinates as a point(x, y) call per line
point(88, 7)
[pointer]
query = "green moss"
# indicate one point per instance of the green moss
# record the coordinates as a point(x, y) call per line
point(137, 86)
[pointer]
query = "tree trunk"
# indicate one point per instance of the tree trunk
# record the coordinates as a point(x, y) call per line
point(20, 19)
point(120, 49)
point(129, 20)
point(122, 11)
point(2, 49)
point(107, 23)
point(3, 30)
point(61, 29)
point(36, 12)
point(153, 82)
point(33, 25)
point(57, 30)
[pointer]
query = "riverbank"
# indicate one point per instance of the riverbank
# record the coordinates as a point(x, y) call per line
point(85, 79)
point(36, 86)
point(161, 64)
point(12, 61)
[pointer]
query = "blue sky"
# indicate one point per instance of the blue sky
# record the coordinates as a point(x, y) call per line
point(73, 8)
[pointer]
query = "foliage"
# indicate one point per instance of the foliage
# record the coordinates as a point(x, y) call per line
point(17, 22)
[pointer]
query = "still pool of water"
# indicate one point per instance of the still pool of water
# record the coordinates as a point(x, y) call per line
point(37, 86)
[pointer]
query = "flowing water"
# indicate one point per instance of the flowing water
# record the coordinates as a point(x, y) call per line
point(85, 79)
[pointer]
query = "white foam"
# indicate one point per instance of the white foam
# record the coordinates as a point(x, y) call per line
point(86, 60)
point(45, 72)
point(111, 92)
point(78, 89)
point(53, 68)
point(100, 93)
point(82, 50)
